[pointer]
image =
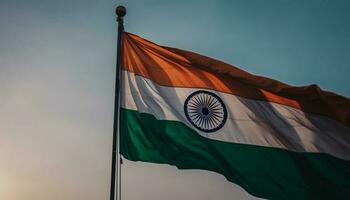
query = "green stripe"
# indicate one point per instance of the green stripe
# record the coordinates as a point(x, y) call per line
point(262, 171)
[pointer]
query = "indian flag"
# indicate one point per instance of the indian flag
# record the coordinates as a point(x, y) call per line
point(274, 140)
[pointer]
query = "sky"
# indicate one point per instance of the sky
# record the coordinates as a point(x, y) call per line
point(57, 65)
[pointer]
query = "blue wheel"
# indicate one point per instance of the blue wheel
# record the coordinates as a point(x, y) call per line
point(205, 111)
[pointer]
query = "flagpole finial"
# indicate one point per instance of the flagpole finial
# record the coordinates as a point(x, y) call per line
point(120, 11)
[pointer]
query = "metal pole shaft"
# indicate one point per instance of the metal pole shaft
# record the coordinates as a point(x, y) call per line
point(120, 11)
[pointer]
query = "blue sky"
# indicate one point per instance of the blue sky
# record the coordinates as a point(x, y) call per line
point(57, 64)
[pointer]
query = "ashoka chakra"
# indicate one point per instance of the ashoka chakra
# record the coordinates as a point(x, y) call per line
point(205, 111)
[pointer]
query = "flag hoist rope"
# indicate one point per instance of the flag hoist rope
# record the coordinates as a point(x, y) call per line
point(115, 190)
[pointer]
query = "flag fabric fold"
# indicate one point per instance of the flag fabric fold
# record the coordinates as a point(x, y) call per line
point(194, 112)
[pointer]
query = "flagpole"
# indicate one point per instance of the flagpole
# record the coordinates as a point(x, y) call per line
point(115, 191)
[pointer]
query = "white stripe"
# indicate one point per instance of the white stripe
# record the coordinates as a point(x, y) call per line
point(249, 121)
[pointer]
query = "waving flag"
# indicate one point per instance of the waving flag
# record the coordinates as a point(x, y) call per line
point(274, 140)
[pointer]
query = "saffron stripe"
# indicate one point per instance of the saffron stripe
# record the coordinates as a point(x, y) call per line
point(177, 68)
